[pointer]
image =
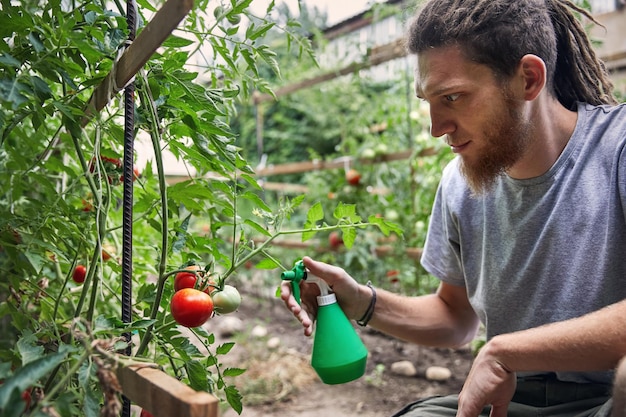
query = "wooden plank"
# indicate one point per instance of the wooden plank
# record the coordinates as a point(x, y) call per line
point(382, 250)
point(137, 54)
point(306, 166)
point(377, 56)
point(163, 395)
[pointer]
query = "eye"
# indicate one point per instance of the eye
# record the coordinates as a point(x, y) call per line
point(452, 97)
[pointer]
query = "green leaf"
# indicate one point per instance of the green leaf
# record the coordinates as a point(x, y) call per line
point(224, 348)
point(349, 236)
point(197, 375)
point(385, 227)
point(315, 214)
point(181, 235)
point(141, 324)
point(234, 398)
point(27, 347)
point(14, 92)
point(91, 405)
point(257, 227)
point(248, 195)
point(253, 33)
point(106, 324)
point(176, 42)
point(9, 60)
point(267, 264)
point(346, 211)
point(29, 375)
point(233, 371)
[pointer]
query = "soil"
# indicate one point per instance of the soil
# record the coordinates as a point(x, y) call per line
point(279, 380)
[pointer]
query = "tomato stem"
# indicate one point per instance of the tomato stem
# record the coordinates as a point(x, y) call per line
point(158, 157)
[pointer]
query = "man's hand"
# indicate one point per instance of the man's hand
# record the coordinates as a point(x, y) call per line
point(352, 297)
point(488, 383)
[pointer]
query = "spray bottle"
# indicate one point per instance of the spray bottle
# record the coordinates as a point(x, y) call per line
point(338, 355)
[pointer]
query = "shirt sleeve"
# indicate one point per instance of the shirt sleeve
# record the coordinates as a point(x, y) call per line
point(442, 254)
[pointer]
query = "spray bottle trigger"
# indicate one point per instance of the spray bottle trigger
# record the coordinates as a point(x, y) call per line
point(297, 274)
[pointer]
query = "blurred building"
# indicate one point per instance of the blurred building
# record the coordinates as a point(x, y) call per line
point(376, 34)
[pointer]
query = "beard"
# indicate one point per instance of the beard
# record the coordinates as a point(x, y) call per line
point(506, 141)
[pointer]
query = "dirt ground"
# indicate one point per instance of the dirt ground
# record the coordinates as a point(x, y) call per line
point(279, 380)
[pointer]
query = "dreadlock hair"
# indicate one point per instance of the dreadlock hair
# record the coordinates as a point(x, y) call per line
point(498, 33)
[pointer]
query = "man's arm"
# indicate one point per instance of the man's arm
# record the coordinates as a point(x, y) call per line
point(593, 342)
point(596, 341)
point(444, 319)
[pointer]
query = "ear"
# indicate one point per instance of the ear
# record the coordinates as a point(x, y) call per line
point(532, 69)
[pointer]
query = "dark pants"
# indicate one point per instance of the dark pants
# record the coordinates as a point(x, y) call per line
point(543, 396)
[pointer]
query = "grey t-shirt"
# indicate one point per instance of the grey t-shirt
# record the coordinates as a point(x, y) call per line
point(544, 249)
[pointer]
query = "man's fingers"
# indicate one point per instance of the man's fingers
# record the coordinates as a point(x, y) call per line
point(295, 308)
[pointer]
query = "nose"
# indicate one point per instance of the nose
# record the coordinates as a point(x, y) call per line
point(440, 123)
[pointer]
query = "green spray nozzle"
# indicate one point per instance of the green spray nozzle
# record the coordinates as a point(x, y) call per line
point(297, 274)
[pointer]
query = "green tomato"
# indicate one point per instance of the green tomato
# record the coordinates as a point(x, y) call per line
point(234, 19)
point(227, 300)
point(218, 12)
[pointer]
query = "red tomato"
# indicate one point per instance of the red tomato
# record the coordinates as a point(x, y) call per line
point(136, 175)
point(393, 275)
point(112, 166)
point(27, 398)
point(184, 280)
point(79, 274)
point(335, 240)
point(191, 307)
point(145, 413)
point(189, 279)
point(353, 177)
point(227, 300)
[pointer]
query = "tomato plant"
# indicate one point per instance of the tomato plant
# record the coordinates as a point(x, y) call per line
point(191, 307)
point(79, 274)
point(226, 300)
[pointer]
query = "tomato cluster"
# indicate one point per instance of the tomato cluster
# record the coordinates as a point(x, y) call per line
point(113, 168)
point(196, 298)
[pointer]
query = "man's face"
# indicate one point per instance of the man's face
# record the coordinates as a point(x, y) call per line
point(480, 119)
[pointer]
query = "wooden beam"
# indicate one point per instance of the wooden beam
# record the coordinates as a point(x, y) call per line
point(313, 245)
point(377, 56)
point(306, 166)
point(137, 54)
point(163, 395)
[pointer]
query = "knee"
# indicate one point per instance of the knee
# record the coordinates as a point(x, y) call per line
point(619, 390)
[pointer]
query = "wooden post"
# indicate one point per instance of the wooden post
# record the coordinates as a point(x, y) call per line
point(163, 395)
point(137, 54)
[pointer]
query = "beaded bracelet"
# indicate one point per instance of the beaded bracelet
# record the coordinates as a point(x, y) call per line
point(370, 309)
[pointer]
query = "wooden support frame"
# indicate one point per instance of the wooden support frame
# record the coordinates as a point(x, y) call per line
point(377, 55)
point(298, 167)
point(163, 395)
point(137, 54)
point(383, 250)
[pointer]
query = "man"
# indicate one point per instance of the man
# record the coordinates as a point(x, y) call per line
point(528, 229)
